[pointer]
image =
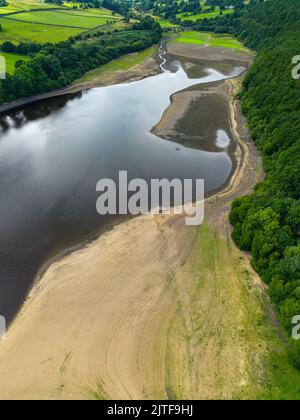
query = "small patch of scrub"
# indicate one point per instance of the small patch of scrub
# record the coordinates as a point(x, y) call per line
point(98, 393)
point(66, 361)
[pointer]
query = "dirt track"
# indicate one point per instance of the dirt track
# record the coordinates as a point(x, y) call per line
point(151, 309)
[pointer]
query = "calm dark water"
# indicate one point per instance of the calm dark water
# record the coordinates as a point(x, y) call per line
point(53, 153)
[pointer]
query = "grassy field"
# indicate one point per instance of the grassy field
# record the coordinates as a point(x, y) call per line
point(165, 23)
point(208, 15)
point(61, 18)
point(19, 5)
point(123, 63)
point(25, 32)
point(120, 25)
point(11, 59)
point(92, 13)
point(98, 12)
point(49, 25)
point(211, 39)
point(193, 17)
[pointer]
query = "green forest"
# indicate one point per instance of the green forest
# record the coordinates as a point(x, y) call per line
point(267, 222)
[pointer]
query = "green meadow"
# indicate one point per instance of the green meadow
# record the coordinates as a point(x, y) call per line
point(199, 16)
point(126, 62)
point(165, 23)
point(98, 12)
point(11, 59)
point(211, 39)
point(205, 15)
point(16, 32)
point(19, 5)
point(49, 25)
point(61, 18)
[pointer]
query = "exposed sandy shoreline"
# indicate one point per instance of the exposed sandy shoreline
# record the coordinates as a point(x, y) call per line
point(182, 104)
point(208, 53)
point(124, 317)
